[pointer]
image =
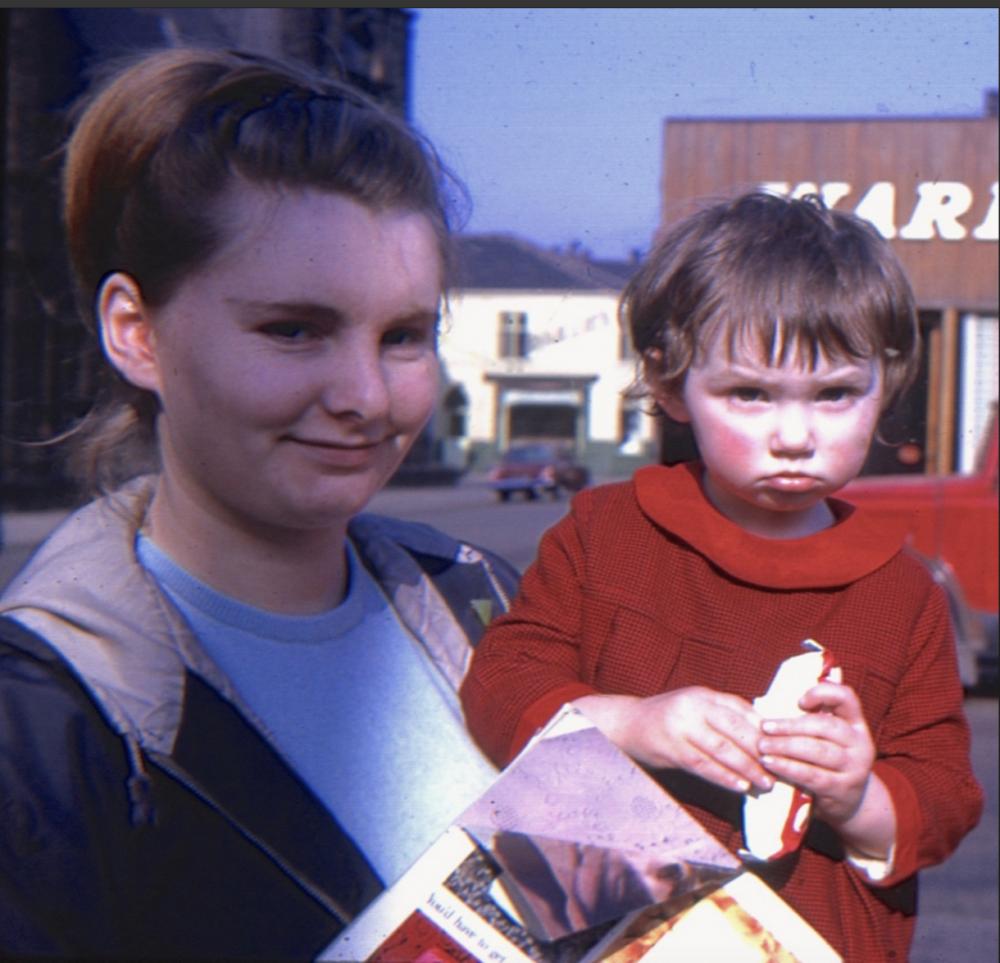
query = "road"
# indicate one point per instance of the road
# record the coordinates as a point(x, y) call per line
point(959, 907)
point(471, 511)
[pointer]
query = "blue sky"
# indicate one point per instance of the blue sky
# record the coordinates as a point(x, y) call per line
point(554, 117)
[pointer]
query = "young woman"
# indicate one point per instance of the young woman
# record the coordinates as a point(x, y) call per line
point(228, 711)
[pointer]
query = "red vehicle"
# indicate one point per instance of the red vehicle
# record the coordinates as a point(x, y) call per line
point(953, 525)
point(532, 469)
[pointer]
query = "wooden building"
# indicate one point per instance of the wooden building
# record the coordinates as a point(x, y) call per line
point(928, 184)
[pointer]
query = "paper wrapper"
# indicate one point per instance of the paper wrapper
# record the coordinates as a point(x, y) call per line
point(774, 822)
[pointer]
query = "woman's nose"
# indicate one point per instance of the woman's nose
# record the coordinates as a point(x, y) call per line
point(356, 385)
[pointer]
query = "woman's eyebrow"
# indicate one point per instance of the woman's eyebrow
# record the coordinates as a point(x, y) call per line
point(419, 316)
point(325, 313)
point(304, 310)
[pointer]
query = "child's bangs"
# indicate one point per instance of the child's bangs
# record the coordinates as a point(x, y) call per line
point(802, 323)
point(804, 341)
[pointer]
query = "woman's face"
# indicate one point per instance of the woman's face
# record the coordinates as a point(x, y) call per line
point(298, 366)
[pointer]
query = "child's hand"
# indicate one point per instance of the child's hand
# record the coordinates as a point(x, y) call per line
point(829, 751)
point(711, 734)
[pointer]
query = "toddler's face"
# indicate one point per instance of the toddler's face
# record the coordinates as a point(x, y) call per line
point(777, 437)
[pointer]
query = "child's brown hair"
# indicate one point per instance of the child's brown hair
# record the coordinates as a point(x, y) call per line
point(785, 275)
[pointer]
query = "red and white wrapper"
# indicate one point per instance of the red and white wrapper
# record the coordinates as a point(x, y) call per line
point(775, 821)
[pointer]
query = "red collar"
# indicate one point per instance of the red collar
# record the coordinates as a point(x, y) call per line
point(856, 545)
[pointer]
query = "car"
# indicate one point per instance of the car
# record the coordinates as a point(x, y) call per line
point(534, 469)
point(952, 526)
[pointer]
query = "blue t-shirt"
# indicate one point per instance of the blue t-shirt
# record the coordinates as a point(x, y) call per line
point(353, 704)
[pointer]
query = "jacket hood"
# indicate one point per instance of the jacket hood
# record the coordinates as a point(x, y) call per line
point(87, 595)
point(85, 592)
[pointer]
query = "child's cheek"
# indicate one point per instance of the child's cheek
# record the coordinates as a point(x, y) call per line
point(738, 450)
point(740, 443)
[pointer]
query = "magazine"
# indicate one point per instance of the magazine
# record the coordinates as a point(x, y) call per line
point(573, 851)
point(739, 922)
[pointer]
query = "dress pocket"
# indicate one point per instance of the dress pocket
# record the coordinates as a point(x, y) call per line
point(638, 654)
point(710, 663)
point(876, 692)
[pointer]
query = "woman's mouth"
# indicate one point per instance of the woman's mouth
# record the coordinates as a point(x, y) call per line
point(336, 454)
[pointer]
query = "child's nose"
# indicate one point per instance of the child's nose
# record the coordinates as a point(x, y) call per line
point(793, 434)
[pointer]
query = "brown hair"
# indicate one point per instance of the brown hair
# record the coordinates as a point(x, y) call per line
point(787, 275)
point(151, 155)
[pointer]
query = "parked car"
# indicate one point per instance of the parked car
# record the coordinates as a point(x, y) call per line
point(533, 469)
point(952, 522)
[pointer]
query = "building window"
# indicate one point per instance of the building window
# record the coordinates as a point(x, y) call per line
point(980, 372)
point(550, 421)
point(513, 334)
point(456, 406)
point(630, 429)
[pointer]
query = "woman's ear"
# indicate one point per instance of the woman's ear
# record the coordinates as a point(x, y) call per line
point(127, 333)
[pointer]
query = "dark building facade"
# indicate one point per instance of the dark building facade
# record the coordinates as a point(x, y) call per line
point(47, 56)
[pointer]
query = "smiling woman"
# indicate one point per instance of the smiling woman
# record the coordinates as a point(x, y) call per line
point(331, 308)
point(242, 688)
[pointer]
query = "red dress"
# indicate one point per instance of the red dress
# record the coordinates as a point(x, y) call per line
point(644, 587)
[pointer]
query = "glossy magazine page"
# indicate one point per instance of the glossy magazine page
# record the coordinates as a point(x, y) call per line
point(570, 839)
point(744, 921)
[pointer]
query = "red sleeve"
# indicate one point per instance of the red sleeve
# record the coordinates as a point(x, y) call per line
point(527, 665)
point(923, 750)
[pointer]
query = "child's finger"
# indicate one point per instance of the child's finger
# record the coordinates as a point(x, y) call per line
point(736, 709)
point(833, 697)
point(712, 770)
point(740, 766)
point(822, 754)
point(824, 726)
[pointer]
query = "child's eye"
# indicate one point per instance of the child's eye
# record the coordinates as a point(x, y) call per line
point(747, 394)
point(837, 393)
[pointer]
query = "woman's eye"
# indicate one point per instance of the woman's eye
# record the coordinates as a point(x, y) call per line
point(416, 337)
point(287, 331)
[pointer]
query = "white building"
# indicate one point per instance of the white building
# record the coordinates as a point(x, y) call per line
point(532, 350)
